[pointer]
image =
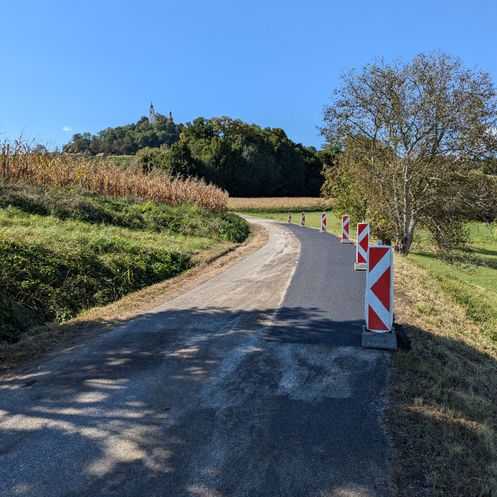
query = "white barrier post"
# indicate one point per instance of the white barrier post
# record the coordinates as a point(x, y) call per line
point(290, 217)
point(323, 222)
point(345, 229)
point(302, 219)
point(378, 332)
point(362, 247)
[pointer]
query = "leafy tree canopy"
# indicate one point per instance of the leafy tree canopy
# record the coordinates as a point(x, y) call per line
point(126, 140)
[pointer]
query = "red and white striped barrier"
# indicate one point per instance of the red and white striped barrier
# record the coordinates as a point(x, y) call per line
point(302, 219)
point(323, 222)
point(345, 229)
point(290, 217)
point(379, 289)
point(362, 246)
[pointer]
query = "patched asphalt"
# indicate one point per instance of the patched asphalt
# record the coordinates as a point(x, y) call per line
point(252, 384)
point(320, 325)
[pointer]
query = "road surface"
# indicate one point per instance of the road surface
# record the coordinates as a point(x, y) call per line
point(252, 384)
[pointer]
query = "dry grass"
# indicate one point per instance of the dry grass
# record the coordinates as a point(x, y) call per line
point(272, 204)
point(52, 337)
point(18, 162)
point(443, 412)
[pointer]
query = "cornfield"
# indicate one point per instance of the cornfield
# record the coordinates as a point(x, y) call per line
point(19, 162)
point(273, 204)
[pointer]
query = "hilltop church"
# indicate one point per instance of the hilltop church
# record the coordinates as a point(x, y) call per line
point(151, 115)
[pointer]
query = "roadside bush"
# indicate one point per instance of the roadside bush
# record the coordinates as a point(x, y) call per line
point(233, 228)
point(152, 158)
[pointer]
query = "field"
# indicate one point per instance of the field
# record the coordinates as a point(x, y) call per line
point(275, 204)
point(64, 250)
point(442, 414)
point(19, 163)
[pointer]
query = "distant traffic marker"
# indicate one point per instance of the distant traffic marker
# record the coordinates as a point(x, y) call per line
point(323, 222)
point(302, 219)
point(362, 246)
point(290, 217)
point(345, 229)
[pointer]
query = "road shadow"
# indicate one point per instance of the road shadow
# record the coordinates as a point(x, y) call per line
point(205, 402)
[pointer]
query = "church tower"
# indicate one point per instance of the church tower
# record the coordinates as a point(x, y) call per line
point(170, 116)
point(151, 114)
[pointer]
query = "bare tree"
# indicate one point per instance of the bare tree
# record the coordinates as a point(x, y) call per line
point(420, 126)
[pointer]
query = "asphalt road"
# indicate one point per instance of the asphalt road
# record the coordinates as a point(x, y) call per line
point(252, 384)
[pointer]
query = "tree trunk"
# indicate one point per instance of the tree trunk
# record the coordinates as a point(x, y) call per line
point(404, 241)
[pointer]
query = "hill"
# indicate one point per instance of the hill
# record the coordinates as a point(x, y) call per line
point(243, 159)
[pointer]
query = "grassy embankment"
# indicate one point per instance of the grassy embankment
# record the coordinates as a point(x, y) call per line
point(442, 414)
point(64, 249)
point(471, 277)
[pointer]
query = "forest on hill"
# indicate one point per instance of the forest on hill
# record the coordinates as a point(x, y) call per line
point(242, 158)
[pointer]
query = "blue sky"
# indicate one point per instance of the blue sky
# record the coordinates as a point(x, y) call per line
point(84, 66)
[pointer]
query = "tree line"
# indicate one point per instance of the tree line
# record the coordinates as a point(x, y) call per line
point(242, 158)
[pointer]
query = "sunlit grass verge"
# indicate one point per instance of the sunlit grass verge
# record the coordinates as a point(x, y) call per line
point(443, 398)
point(81, 205)
point(274, 204)
point(469, 276)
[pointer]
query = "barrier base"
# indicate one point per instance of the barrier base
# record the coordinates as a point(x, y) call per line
point(360, 266)
point(383, 341)
point(345, 241)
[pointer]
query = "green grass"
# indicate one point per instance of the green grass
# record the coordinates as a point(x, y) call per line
point(470, 276)
point(63, 251)
point(59, 235)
